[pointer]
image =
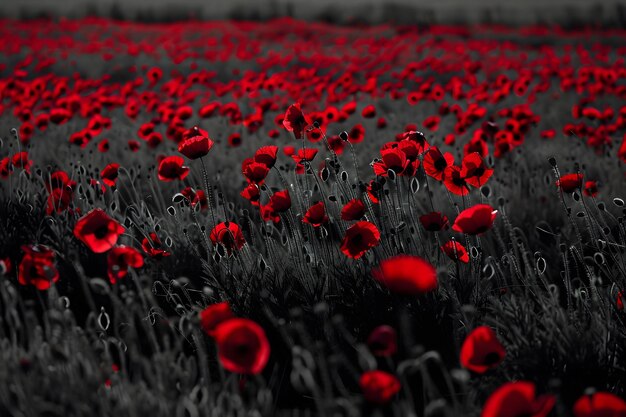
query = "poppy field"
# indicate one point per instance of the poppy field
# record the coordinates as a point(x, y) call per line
point(294, 218)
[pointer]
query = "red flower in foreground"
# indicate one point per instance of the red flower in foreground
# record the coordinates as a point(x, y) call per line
point(228, 234)
point(214, 315)
point(600, 404)
point(435, 162)
point(516, 399)
point(119, 259)
point(455, 251)
point(379, 387)
point(570, 182)
point(383, 341)
point(475, 220)
point(195, 147)
point(109, 174)
point(454, 181)
point(152, 246)
point(37, 267)
point(316, 215)
point(242, 346)
point(295, 121)
point(98, 231)
point(481, 350)
point(359, 238)
point(474, 170)
point(171, 168)
point(406, 274)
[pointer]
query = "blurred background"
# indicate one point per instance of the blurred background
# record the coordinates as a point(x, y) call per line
point(603, 13)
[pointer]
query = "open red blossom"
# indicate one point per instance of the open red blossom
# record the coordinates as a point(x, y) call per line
point(357, 134)
point(37, 267)
point(214, 315)
point(252, 194)
point(171, 168)
point(406, 274)
point(570, 182)
point(600, 404)
point(353, 210)
point(98, 231)
point(266, 155)
point(435, 162)
point(474, 170)
point(228, 234)
point(481, 350)
point(454, 181)
point(280, 201)
point(475, 220)
point(434, 221)
point(379, 387)
point(416, 137)
point(196, 146)
point(109, 174)
point(392, 159)
point(255, 172)
point(295, 121)
point(304, 155)
point(359, 238)
point(455, 251)
point(517, 399)
point(152, 246)
point(242, 346)
point(383, 341)
point(316, 215)
point(119, 259)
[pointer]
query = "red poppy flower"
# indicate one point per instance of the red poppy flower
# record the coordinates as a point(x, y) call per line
point(416, 137)
point(379, 387)
point(455, 251)
point(266, 155)
point(228, 234)
point(280, 201)
point(383, 341)
point(359, 238)
point(435, 162)
point(242, 346)
point(295, 121)
point(475, 220)
point(481, 350)
point(195, 147)
point(252, 194)
point(353, 210)
point(152, 245)
point(37, 267)
point(59, 200)
point(255, 172)
point(119, 259)
point(316, 215)
point(474, 170)
point(20, 160)
point(432, 123)
point(392, 159)
point(213, 315)
point(356, 134)
point(517, 399)
point(570, 182)
point(369, 111)
point(171, 168)
point(454, 181)
point(591, 188)
point(619, 302)
point(600, 404)
point(98, 231)
point(109, 174)
point(6, 167)
point(304, 155)
point(406, 274)
point(434, 221)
